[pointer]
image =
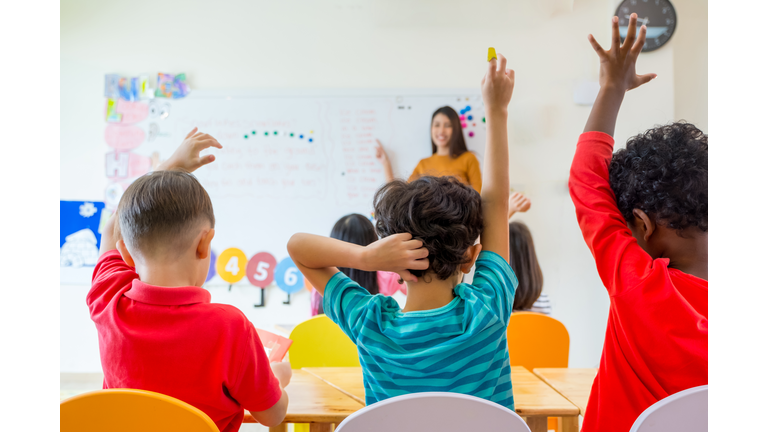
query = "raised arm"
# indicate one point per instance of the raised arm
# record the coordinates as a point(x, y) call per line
point(110, 234)
point(617, 75)
point(383, 158)
point(497, 86)
point(620, 261)
point(518, 203)
point(318, 257)
point(187, 155)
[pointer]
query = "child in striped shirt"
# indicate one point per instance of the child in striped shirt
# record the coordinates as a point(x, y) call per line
point(450, 336)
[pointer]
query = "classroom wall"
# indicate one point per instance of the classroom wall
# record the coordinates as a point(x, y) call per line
point(382, 44)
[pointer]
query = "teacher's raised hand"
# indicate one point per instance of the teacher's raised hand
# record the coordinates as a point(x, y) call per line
point(381, 156)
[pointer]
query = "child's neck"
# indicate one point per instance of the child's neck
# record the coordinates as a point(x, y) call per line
point(430, 295)
point(173, 274)
point(690, 255)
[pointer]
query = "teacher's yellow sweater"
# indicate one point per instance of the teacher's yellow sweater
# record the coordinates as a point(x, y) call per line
point(465, 167)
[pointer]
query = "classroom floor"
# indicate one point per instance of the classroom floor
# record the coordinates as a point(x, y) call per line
point(72, 384)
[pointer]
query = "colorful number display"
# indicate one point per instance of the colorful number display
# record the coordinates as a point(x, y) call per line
point(231, 265)
point(261, 269)
point(288, 277)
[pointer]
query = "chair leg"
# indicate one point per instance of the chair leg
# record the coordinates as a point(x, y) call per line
point(320, 427)
point(570, 424)
point(537, 424)
point(282, 427)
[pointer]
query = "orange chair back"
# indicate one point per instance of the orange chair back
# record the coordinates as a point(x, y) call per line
point(128, 410)
point(537, 341)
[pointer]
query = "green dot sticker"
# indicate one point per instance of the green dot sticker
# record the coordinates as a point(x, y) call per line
point(246, 136)
point(483, 119)
point(266, 133)
point(275, 132)
point(253, 133)
point(291, 134)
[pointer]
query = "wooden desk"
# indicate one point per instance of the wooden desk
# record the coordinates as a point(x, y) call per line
point(310, 400)
point(534, 400)
point(573, 384)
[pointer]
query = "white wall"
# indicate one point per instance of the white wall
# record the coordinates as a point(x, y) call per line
point(380, 44)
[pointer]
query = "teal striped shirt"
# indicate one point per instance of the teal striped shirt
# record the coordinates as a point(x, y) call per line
point(460, 347)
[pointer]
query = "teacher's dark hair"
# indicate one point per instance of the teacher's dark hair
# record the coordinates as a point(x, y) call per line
point(456, 146)
point(522, 258)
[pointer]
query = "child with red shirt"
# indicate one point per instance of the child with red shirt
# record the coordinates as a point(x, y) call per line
point(643, 214)
point(158, 329)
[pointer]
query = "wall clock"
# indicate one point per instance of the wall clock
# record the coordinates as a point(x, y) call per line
point(658, 16)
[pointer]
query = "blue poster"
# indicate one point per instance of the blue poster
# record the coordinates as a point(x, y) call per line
point(79, 234)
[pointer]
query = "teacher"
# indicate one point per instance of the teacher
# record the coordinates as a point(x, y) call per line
point(450, 156)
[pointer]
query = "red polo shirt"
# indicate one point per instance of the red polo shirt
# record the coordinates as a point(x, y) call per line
point(176, 342)
point(656, 341)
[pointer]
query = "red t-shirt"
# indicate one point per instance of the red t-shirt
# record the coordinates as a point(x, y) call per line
point(656, 341)
point(176, 342)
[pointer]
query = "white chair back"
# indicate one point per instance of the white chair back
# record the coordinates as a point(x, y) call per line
point(438, 411)
point(681, 412)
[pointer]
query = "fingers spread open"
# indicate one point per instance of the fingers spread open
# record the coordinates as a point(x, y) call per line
point(631, 33)
point(638, 46)
point(615, 36)
point(596, 46)
point(643, 79)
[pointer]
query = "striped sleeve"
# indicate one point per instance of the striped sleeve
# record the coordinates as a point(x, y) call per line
point(346, 303)
point(495, 281)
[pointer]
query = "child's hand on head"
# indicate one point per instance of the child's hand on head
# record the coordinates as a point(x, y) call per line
point(518, 203)
point(187, 155)
point(497, 85)
point(617, 65)
point(397, 254)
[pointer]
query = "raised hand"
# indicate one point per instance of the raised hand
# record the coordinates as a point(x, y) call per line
point(187, 155)
point(617, 65)
point(383, 158)
point(497, 85)
point(617, 75)
point(397, 254)
point(518, 203)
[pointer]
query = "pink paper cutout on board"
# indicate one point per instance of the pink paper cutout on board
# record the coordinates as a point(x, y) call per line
point(133, 112)
point(121, 165)
point(123, 137)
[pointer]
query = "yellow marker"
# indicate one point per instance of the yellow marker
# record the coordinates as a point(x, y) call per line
point(491, 53)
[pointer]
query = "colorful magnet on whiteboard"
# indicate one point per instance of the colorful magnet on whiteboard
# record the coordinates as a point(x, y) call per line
point(469, 117)
point(310, 140)
point(464, 125)
point(311, 131)
point(266, 133)
point(246, 136)
point(231, 265)
point(468, 108)
point(291, 134)
point(301, 136)
point(253, 133)
point(491, 53)
point(474, 124)
point(211, 267)
point(483, 119)
point(275, 132)
point(288, 277)
point(261, 269)
point(471, 134)
point(461, 117)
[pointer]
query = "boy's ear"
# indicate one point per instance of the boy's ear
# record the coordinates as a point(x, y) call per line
point(204, 246)
point(473, 252)
point(124, 253)
point(645, 224)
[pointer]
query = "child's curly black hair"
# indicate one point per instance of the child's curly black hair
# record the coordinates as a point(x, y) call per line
point(663, 172)
point(440, 211)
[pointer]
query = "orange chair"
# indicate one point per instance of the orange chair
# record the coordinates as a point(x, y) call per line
point(538, 341)
point(128, 410)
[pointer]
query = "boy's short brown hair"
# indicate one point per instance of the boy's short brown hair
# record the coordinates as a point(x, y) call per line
point(442, 212)
point(160, 211)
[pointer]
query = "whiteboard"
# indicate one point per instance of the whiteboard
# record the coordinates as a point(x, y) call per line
point(291, 161)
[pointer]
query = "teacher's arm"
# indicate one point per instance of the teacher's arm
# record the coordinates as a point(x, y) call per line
point(383, 158)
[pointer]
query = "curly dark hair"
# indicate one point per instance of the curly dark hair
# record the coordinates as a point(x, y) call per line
point(663, 172)
point(440, 211)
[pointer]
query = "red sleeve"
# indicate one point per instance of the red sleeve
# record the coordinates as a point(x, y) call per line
point(254, 386)
point(621, 262)
point(111, 277)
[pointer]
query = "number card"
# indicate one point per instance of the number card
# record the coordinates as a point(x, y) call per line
point(261, 269)
point(288, 277)
point(231, 265)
